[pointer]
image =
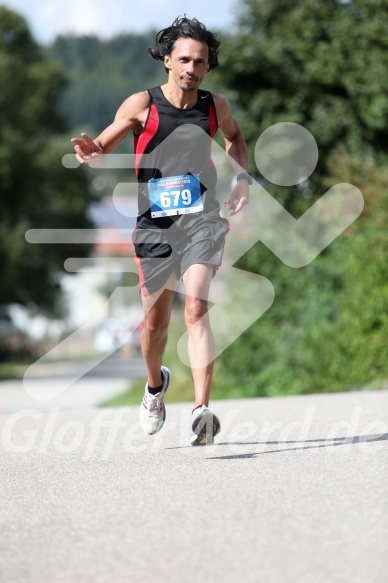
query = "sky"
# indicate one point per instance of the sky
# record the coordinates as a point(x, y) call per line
point(48, 18)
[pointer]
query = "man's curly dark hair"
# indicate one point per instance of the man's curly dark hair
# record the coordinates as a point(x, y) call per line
point(183, 27)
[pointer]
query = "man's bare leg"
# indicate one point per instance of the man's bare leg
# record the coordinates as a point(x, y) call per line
point(201, 347)
point(157, 312)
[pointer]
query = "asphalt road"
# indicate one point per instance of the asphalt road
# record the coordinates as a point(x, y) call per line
point(294, 490)
point(70, 384)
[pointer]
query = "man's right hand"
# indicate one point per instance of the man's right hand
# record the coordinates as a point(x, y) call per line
point(87, 151)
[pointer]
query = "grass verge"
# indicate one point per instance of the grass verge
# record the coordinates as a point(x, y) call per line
point(13, 370)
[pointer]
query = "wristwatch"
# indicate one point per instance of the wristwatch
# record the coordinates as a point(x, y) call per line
point(246, 176)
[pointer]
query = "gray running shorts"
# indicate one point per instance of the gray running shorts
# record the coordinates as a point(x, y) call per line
point(196, 239)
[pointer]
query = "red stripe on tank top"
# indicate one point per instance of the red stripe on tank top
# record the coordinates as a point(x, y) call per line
point(213, 126)
point(141, 142)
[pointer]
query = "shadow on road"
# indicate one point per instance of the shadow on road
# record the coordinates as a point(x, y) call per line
point(336, 441)
point(327, 442)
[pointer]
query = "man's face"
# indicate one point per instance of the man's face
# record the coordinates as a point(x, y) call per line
point(188, 63)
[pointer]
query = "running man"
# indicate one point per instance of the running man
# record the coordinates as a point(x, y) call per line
point(179, 232)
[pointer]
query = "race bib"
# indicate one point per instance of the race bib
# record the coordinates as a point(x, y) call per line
point(175, 195)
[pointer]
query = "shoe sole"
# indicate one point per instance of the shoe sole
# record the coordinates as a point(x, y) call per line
point(205, 427)
point(167, 375)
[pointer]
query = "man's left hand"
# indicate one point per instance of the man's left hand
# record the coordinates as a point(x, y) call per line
point(239, 197)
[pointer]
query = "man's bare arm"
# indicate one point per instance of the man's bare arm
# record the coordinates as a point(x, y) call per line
point(236, 149)
point(131, 115)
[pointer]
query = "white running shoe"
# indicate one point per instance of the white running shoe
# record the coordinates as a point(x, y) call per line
point(205, 426)
point(152, 409)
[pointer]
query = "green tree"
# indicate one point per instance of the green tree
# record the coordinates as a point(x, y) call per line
point(319, 64)
point(36, 191)
point(103, 74)
point(328, 326)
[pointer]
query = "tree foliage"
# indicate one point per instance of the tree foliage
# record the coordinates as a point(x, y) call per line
point(36, 191)
point(328, 326)
point(319, 64)
point(103, 74)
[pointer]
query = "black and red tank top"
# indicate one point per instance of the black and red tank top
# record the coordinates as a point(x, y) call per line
point(175, 142)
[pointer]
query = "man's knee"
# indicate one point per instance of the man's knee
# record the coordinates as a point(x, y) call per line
point(156, 324)
point(195, 309)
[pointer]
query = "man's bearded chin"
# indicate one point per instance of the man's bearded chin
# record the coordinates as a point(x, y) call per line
point(188, 89)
